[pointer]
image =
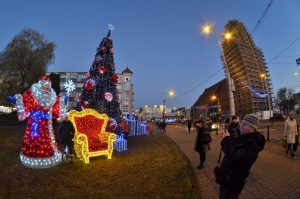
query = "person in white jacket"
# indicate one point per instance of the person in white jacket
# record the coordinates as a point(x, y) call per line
point(290, 132)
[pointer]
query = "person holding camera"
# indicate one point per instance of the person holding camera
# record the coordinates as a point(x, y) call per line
point(202, 141)
point(234, 128)
point(240, 155)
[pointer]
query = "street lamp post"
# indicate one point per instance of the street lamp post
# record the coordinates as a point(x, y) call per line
point(171, 94)
point(164, 104)
point(264, 77)
point(207, 29)
point(218, 105)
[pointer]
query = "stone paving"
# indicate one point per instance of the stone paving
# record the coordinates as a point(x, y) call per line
point(273, 175)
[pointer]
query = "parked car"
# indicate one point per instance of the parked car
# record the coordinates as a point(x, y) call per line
point(277, 117)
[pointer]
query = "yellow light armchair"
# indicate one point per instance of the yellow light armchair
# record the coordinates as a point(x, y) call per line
point(90, 137)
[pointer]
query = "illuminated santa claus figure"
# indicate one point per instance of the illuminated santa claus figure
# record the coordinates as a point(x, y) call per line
point(40, 105)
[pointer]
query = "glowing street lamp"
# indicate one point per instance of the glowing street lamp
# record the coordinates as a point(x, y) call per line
point(263, 76)
point(171, 93)
point(227, 36)
point(213, 98)
point(207, 30)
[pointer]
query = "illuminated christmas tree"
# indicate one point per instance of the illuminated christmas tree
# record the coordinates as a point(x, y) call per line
point(100, 91)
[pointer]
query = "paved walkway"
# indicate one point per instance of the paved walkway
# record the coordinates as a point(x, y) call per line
point(274, 174)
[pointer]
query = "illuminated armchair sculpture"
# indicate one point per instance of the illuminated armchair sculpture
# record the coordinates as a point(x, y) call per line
point(90, 138)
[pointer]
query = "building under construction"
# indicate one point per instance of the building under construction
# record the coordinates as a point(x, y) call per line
point(248, 70)
point(207, 106)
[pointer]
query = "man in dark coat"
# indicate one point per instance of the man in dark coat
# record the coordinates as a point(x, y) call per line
point(66, 133)
point(240, 155)
point(189, 124)
point(234, 128)
point(163, 126)
point(200, 145)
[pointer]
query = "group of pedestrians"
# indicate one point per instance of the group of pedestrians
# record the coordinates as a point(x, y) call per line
point(161, 126)
point(240, 145)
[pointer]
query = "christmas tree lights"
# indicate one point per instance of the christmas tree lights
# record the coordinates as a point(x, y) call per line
point(90, 137)
point(100, 91)
point(258, 94)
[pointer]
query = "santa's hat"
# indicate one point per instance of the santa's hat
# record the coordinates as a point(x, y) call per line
point(45, 78)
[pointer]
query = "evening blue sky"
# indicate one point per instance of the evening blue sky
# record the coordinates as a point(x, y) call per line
point(159, 40)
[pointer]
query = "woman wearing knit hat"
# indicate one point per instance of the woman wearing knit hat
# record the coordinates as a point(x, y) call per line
point(240, 155)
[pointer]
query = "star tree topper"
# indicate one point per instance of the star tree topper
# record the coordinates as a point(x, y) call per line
point(111, 27)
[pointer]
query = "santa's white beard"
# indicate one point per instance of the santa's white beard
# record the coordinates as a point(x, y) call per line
point(43, 96)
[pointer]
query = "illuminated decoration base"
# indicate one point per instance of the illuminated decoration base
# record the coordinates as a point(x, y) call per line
point(90, 138)
point(40, 105)
point(40, 163)
point(135, 127)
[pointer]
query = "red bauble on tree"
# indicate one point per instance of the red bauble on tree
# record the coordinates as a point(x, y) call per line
point(87, 74)
point(103, 49)
point(112, 125)
point(112, 51)
point(108, 96)
point(89, 85)
point(85, 105)
point(101, 70)
point(115, 78)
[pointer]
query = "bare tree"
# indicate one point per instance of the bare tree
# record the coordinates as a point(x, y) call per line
point(23, 61)
point(285, 100)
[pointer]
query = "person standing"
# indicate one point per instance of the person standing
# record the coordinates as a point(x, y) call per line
point(201, 145)
point(290, 132)
point(234, 128)
point(189, 125)
point(226, 123)
point(158, 124)
point(66, 133)
point(164, 126)
point(124, 127)
point(240, 155)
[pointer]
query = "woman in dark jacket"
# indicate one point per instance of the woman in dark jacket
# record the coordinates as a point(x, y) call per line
point(202, 145)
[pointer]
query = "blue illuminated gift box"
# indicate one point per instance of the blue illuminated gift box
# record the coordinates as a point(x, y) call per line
point(135, 127)
point(120, 144)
